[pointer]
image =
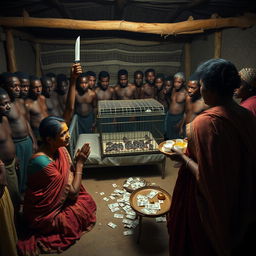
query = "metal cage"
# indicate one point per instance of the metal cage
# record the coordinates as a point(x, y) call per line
point(130, 126)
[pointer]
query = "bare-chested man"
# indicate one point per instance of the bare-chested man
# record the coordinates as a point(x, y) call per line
point(138, 82)
point(85, 105)
point(168, 84)
point(176, 107)
point(7, 149)
point(160, 85)
point(47, 90)
point(54, 95)
point(24, 89)
point(62, 91)
point(124, 90)
point(194, 102)
point(104, 91)
point(148, 90)
point(22, 135)
point(91, 77)
point(36, 105)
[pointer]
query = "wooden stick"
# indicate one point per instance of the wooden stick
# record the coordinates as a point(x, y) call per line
point(155, 28)
point(10, 50)
point(217, 44)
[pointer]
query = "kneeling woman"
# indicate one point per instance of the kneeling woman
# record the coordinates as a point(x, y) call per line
point(57, 207)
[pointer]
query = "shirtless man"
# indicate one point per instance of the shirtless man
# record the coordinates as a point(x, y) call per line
point(47, 91)
point(104, 91)
point(22, 135)
point(7, 149)
point(194, 102)
point(91, 77)
point(148, 90)
point(24, 84)
point(168, 85)
point(24, 88)
point(36, 105)
point(85, 105)
point(177, 107)
point(54, 95)
point(138, 82)
point(124, 90)
point(159, 84)
point(62, 91)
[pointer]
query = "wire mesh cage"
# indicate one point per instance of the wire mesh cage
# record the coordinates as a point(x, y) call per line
point(130, 126)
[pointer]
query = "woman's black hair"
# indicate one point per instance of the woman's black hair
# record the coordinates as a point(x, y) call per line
point(219, 75)
point(50, 127)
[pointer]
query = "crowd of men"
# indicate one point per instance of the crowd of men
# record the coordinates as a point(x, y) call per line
point(26, 100)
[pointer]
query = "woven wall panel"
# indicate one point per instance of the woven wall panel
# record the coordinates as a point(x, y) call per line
point(111, 56)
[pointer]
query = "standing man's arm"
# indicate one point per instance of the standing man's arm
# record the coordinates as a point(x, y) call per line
point(182, 123)
point(33, 138)
point(27, 106)
point(70, 104)
point(95, 111)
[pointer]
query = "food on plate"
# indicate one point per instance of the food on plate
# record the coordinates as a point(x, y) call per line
point(178, 144)
point(168, 145)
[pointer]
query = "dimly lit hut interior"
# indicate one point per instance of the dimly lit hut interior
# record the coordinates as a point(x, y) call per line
point(38, 38)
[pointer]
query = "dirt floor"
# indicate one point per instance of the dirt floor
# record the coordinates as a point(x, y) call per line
point(104, 240)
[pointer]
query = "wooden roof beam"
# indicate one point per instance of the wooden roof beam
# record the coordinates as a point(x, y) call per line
point(153, 28)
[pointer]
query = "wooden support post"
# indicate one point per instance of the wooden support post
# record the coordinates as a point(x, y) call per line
point(187, 59)
point(10, 51)
point(37, 60)
point(217, 44)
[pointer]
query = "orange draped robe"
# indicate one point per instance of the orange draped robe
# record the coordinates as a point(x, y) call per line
point(210, 215)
